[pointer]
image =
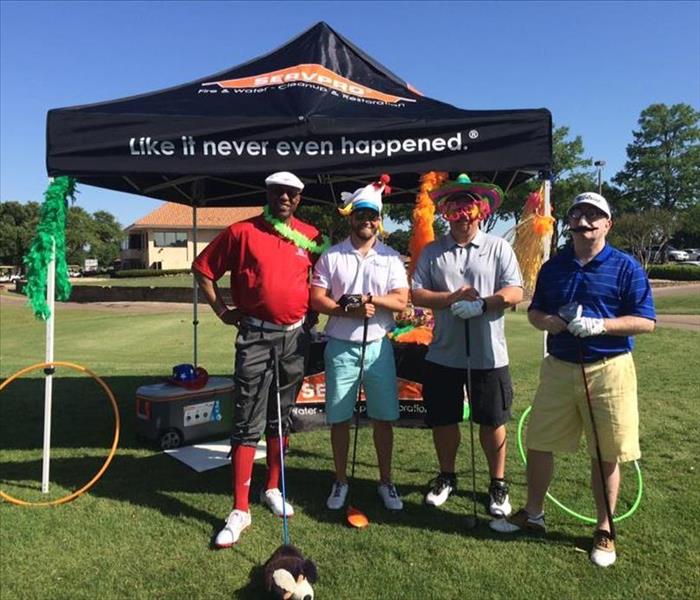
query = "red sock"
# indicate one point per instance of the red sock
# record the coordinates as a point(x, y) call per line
point(242, 471)
point(274, 466)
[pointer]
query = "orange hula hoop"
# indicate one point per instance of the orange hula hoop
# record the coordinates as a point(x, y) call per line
point(112, 450)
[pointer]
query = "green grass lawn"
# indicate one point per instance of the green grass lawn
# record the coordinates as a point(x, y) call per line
point(144, 530)
point(678, 305)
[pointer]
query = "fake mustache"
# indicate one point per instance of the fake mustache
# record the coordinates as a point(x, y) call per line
point(582, 228)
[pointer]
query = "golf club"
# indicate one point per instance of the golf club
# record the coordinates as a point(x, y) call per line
point(356, 518)
point(285, 525)
point(567, 313)
point(471, 521)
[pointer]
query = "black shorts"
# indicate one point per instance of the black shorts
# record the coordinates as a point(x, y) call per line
point(444, 394)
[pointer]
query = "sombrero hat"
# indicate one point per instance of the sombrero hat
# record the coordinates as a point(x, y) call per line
point(465, 186)
point(189, 377)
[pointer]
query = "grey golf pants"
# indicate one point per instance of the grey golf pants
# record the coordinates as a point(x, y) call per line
point(255, 397)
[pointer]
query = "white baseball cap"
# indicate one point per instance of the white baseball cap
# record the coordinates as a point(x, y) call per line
point(594, 200)
point(285, 178)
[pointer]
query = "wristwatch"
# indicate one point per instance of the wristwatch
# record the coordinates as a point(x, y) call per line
point(483, 305)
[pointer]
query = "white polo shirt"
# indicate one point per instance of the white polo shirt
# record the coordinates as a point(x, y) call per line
point(343, 270)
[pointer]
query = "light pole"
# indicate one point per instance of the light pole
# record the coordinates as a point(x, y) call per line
point(599, 164)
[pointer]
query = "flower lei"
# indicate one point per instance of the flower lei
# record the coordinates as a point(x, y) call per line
point(294, 236)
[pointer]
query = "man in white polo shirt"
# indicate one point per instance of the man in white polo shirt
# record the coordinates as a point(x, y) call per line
point(357, 279)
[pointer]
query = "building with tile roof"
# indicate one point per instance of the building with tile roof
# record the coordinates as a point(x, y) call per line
point(163, 239)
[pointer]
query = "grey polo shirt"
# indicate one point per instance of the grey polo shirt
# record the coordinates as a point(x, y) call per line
point(488, 264)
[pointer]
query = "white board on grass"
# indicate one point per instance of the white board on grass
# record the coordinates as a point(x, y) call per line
point(204, 457)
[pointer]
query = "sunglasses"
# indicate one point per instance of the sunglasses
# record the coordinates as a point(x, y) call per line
point(591, 214)
point(279, 190)
point(365, 215)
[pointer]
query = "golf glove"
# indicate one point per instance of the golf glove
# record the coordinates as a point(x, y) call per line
point(350, 301)
point(586, 326)
point(466, 309)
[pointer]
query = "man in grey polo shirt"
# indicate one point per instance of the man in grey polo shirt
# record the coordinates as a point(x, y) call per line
point(468, 278)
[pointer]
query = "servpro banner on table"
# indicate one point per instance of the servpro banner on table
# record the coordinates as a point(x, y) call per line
point(310, 411)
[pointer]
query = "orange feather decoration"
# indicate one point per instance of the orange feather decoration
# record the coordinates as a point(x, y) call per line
point(424, 215)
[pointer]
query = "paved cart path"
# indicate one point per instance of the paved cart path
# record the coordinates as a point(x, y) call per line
point(14, 299)
point(675, 289)
point(687, 322)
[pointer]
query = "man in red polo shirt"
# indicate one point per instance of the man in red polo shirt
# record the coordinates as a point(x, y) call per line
point(270, 258)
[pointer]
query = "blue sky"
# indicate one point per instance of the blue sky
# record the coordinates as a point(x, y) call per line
point(595, 65)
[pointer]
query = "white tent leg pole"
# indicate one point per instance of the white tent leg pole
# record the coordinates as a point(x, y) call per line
point(48, 385)
point(547, 241)
point(195, 320)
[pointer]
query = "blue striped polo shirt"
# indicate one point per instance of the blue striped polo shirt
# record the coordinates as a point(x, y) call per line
point(611, 285)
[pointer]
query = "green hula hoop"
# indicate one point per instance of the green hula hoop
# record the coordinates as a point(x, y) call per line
point(566, 509)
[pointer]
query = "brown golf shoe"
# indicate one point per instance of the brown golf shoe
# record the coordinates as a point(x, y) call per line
point(520, 521)
point(603, 553)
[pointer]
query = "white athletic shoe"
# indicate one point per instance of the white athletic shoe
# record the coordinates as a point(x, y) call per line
point(603, 553)
point(339, 493)
point(441, 488)
point(388, 493)
point(499, 502)
point(236, 522)
point(273, 500)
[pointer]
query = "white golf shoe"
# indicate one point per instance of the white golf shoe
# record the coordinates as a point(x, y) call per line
point(499, 502)
point(387, 492)
point(603, 553)
point(236, 522)
point(273, 500)
point(441, 488)
point(339, 493)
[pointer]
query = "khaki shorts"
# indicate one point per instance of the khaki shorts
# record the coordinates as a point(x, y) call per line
point(560, 410)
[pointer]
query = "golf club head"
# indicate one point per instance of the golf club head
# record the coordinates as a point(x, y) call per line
point(356, 518)
point(570, 311)
point(471, 522)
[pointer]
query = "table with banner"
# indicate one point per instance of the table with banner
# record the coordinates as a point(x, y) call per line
point(309, 412)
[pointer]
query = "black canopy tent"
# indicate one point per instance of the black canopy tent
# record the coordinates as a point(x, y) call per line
point(318, 106)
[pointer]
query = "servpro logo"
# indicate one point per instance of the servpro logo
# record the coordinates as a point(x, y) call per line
point(313, 390)
point(307, 75)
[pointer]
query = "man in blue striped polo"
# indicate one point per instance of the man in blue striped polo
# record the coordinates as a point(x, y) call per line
point(616, 304)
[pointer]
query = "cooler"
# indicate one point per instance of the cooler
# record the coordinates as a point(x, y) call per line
point(174, 415)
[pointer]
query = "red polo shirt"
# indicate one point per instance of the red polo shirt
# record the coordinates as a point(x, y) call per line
point(269, 274)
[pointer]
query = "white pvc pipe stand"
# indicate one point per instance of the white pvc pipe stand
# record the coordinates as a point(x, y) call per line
point(48, 387)
point(547, 243)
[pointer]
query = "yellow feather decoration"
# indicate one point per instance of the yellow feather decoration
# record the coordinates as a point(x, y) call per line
point(532, 234)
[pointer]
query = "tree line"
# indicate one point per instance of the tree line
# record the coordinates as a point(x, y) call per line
point(96, 235)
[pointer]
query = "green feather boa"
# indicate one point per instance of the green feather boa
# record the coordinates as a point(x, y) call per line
point(51, 228)
point(294, 236)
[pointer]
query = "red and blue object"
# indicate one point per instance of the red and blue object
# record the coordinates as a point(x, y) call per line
point(187, 376)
